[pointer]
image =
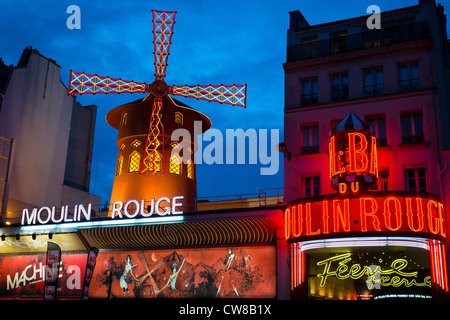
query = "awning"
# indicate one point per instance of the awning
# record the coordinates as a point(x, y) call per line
point(213, 232)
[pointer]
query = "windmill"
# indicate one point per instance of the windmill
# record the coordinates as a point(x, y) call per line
point(153, 160)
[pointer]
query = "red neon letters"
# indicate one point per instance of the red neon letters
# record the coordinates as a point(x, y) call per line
point(358, 158)
point(367, 213)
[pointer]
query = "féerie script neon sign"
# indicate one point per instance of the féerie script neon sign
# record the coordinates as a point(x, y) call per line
point(395, 277)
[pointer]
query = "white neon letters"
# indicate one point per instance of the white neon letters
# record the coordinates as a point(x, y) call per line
point(162, 207)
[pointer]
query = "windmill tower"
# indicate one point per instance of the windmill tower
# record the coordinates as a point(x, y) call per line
point(147, 168)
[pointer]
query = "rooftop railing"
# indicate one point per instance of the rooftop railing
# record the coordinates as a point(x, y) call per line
point(365, 40)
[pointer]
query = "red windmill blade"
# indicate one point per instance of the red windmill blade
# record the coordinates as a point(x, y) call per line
point(153, 161)
point(163, 22)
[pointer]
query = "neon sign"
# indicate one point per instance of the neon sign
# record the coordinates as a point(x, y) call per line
point(368, 212)
point(131, 209)
point(358, 158)
point(353, 155)
point(395, 276)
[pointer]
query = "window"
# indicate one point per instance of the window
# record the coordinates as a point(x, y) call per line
point(338, 41)
point(153, 162)
point(311, 186)
point(373, 82)
point(408, 76)
point(309, 91)
point(124, 119)
point(416, 179)
point(190, 169)
point(136, 143)
point(383, 180)
point(378, 123)
point(135, 161)
point(339, 87)
point(310, 139)
point(175, 161)
point(119, 166)
point(310, 47)
point(178, 117)
point(412, 127)
point(175, 164)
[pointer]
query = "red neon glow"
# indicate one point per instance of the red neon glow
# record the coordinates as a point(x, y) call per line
point(395, 212)
point(419, 214)
point(374, 157)
point(342, 215)
point(153, 160)
point(438, 261)
point(358, 159)
point(84, 83)
point(163, 22)
point(232, 94)
point(364, 214)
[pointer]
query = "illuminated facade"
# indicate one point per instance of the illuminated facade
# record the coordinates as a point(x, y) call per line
point(145, 173)
point(366, 181)
point(364, 214)
point(154, 241)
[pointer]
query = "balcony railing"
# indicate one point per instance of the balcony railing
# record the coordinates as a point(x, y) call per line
point(419, 138)
point(340, 94)
point(360, 41)
point(310, 99)
point(310, 150)
point(373, 89)
point(409, 84)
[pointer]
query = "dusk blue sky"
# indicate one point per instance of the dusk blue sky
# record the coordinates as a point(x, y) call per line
point(214, 42)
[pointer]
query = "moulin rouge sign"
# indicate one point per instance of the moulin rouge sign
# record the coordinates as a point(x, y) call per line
point(365, 212)
point(133, 208)
point(353, 171)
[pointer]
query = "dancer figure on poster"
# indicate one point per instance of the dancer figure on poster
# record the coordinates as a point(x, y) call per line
point(227, 277)
point(173, 277)
point(123, 278)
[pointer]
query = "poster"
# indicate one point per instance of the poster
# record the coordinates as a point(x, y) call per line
point(23, 276)
point(52, 263)
point(226, 272)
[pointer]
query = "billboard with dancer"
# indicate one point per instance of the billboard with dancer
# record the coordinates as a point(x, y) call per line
point(226, 272)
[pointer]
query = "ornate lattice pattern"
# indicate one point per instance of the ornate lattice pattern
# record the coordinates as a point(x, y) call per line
point(175, 164)
point(119, 166)
point(83, 83)
point(162, 33)
point(135, 161)
point(234, 94)
point(153, 161)
point(136, 143)
point(190, 169)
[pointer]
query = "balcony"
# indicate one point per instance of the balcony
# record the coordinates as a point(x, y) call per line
point(310, 150)
point(310, 99)
point(373, 90)
point(413, 139)
point(360, 41)
point(409, 84)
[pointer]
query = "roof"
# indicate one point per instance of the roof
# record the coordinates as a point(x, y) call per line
point(113, 117)
point(351, 123)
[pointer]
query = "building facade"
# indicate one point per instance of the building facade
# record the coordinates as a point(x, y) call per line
point(395, 79)
point(365, 207)
point(53, 138)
